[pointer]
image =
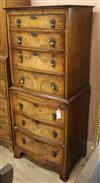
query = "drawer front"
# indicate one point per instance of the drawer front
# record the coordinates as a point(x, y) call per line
point(4, 131)
point(2, 88)
point(33, 21)
point(41, 149)
point(38, 108)
point(42, 130)
point(38, 40)
point(49, 62)
point(3, 109)
point(42, 83)
point(2, 70)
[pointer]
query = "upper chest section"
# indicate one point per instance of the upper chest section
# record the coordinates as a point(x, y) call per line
point(38, 18)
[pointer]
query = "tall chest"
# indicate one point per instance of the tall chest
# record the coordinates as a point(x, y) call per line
point(49, 58)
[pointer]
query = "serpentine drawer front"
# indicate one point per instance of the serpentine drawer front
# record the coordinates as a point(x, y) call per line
point(37, 21)
point(49, 152)
point(37, 39)
point(42, 83)
point(47, 62)
point(43, 130)
point(37, 108)
point(49, 50)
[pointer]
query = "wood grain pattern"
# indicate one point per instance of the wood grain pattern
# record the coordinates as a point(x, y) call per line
point(2, 70)
point(6, 137)
point(0, 27)
point(39, 129)
point(39, 61)
point(37, 39)
point(37, 10)
point(76, 131)
point(4, 132)
point(2, 88)
point(36, 108)
point(78, 60)
point(5, 123)
point(4, 120)
point(41, 21)
point(16, 3)
point(41, 83)
point(39, 105)
point(41, 149)
point(3, 35)
point(3, 107)
point(3, 26)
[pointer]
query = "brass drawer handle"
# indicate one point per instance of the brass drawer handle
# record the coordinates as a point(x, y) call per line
point(54, 116)
point(20, 58)
point(23, 141)
point(53, 42)
point(33, 17)
point(19, 40)
point(22, 80)
point(23, 122)
point(21, 106)
point(53, 62)
point(55, 134)
point(54, 154)
point(18, 22)
point(35, 105)
point(34, 53)
point(53, 23)
point(53, 86)
point(34, 34)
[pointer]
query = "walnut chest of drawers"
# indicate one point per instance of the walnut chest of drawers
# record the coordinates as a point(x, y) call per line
point(49, 56)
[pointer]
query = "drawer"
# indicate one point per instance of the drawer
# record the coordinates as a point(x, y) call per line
point(37, 40)
point(43, 150)
point(3, 109)
point(45, 62)
point(39, 129)
point(39, 21)
point(4, 131)
point(2, 88)
point(37, 82)
point(37, 108)
point(2, 70)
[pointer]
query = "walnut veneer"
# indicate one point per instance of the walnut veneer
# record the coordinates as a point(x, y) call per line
point(49, 51)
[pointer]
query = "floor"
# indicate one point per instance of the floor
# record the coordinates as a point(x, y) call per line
point(26, 171)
